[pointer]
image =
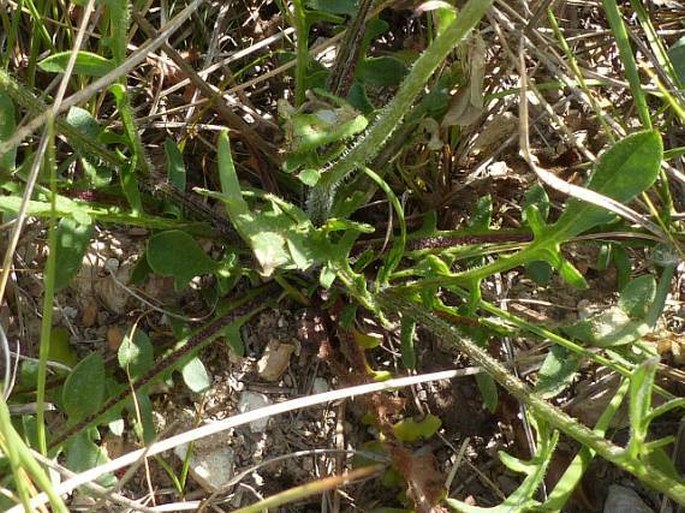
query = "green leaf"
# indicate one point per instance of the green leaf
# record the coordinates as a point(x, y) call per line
point(537, 196)
point(309, 177)
point(366, 341)
point(136, 353)
point(195, 376)
point(175, 253)
point(307, 131)
point(488, 391)
point(348, 7)
point(234, 338)
point(610, 327)
point(235, 204)
point(641, 387)
point(119, 20)
point(571, 275)
point(637, 297)
point(60, 347)
point(539, 271)
point(73, 239)
point(557, 372)
point(87, 63)
point(145, 429)
point(621, 260)
point(444, 15)
point(381, 71)
point(84, 388)
point(407, 330)
point(64, 208)
point(482, 214)
point(8, 125)
point(175, 167)
point(677, 55)
point(410, 430)
point(625, 170)
point(83, 454)
point(97, 173)
point(84, 122)
point(327, 276)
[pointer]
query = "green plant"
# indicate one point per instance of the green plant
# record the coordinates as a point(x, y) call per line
point(340, 151)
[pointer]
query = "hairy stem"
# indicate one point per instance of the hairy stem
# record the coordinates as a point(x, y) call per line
point(321, 197)
point(651, 476)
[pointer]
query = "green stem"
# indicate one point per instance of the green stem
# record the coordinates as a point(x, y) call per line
point(48, 296)
point(302, 51)
point(22, 462)
point(538, 406)
point(625, 51)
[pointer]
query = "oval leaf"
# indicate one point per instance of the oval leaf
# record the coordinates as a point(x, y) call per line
point(638, 296)
point(87, 63)
point(195, 376)
point(625, 170)
point(84, 388)
point(73, 239)
point(410, 430)
point(175, 253)
point(136, 353)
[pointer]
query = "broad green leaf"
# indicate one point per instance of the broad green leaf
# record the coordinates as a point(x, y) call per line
point(97, 173)
point(611, 327)
point(366, 341)
point(84, 122)
point(195, 376)
point(269, 249)
point(557, 372)
point(73, 240)
point(60, 347)
point(488, 391)
point(145, 429)
point(8, 125)
point(175, 253)
point(330, 124)
point(84, 388)
point(637, 297)
point(175, 167)
point(348, 7)
point(234, 338)
point(309, 177)
point(482, 213)
point(87, 63)
point(83, 454)
point(64, 207)
point(539, 271)
point(381, 71)
point(136, 353)
point(410, 430)
point(625, 170)
point(327, 276)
